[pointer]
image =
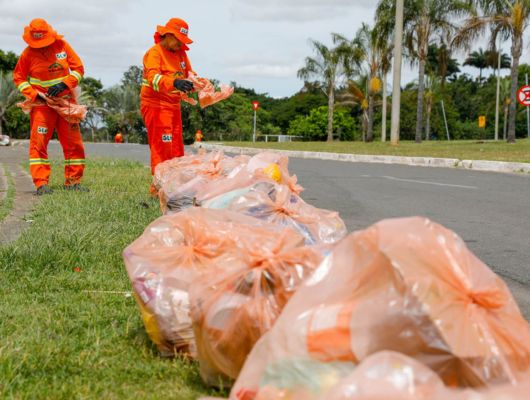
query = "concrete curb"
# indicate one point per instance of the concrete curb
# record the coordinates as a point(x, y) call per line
point(476, 165)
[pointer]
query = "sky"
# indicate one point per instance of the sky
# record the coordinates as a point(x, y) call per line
point(259, 44)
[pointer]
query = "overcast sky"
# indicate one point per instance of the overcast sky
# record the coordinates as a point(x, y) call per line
point(259, 44)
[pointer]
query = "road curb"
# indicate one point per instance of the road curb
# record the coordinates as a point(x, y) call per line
point(476, 165)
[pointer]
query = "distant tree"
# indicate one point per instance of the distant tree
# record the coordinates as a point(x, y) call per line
point(313, 126)
point(440, 63)
point(122, 109)
point(9, 95)
point(327, 68)
point(7, 61)
point(133, 77)
point(509, 19)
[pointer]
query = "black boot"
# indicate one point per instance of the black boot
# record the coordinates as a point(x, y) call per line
point(44, 189)
point(76, 187)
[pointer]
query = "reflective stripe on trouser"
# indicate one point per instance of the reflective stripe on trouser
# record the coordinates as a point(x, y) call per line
point(164, 132)
point(44, 121)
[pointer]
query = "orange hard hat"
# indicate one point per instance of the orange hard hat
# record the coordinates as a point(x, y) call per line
point(39, 34)
point(177, 27)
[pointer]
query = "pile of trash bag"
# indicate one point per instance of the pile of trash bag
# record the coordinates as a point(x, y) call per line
point(405, 285)
point(271, 295)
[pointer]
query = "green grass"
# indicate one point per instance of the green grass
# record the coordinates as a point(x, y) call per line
point(6, 204)
point(60, 341)
point(462, 149)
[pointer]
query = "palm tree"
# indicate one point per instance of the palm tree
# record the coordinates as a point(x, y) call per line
point(479, 60)
point(354, 96)
point(366, 46)
point(433, 87)
point(9, 95)
point(328, 68)
point(509, 19)
point(424, 20)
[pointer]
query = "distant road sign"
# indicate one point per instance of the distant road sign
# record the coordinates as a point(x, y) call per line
point(523, 96)
point(482, 121)
point(255, 105)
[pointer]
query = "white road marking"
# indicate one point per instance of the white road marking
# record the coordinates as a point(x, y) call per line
point(392, 178)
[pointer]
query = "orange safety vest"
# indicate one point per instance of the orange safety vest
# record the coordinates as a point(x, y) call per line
point(39, 69)
point(161, 68)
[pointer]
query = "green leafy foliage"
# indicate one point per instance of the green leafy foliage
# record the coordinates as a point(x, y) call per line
point(314, 126)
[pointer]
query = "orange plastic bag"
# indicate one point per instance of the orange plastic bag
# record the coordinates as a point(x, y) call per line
point(277, 204)
point(67, 108)
point(406, 285)
point(232, 309)
point(264, 166)
point(207, 93)
point(172, 252)
point(179, 184)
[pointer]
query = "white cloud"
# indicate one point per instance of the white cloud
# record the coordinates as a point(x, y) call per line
point(294, 10)
point(265, 71)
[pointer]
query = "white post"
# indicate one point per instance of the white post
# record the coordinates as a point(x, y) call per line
point(445, 119)
point(396, 92)
point(254, 133)
point(497, 103)
point(383, 122)
point(527, 114)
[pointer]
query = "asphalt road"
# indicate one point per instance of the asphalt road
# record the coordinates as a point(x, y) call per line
point(490, 211)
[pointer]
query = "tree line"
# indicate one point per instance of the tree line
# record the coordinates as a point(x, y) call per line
point(344, 95)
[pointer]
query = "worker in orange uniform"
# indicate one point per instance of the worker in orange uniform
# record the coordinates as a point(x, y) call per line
point(198, 136)
point(118, 138)
point(50, 67)
point(166, 67)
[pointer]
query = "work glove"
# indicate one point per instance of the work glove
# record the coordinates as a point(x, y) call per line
point(183, 85)
point(56, 89)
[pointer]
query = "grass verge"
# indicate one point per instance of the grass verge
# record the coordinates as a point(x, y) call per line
point(6, 204)
point(461, 149)
point(64, 333)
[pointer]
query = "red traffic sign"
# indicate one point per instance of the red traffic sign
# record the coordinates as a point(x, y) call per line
point(255, 105)
point(523, 96)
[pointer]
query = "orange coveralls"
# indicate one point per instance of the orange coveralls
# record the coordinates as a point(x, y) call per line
point(36, 71)
point(160, 102)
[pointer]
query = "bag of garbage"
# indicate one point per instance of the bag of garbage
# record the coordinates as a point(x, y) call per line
point(277, 204)
point(232, 309)
point(406, 285)
point(180, 186)
point(381, 376)
point(266, 166)
point(172, 252)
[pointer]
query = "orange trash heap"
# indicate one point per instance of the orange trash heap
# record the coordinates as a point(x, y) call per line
point(269, 293)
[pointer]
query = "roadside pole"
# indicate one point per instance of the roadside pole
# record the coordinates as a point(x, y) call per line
point(396, 91)
point(255, 106)
point(527, 114)
point(497, 103)
point(445, 120)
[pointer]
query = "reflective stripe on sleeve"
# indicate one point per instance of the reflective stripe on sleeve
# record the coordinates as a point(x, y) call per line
point(23, 85)
point(76, 75)
point(156, 81)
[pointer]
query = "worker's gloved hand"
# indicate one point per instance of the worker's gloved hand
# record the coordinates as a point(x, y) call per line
point(56, 89)
point(183, 85)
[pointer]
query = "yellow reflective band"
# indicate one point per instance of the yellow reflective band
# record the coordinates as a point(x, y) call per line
point(156, 80)
point(23, 86)
point(77, 75)
point(39, 161)
point(145, 82)
point(51, 82)
point(73, 161)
